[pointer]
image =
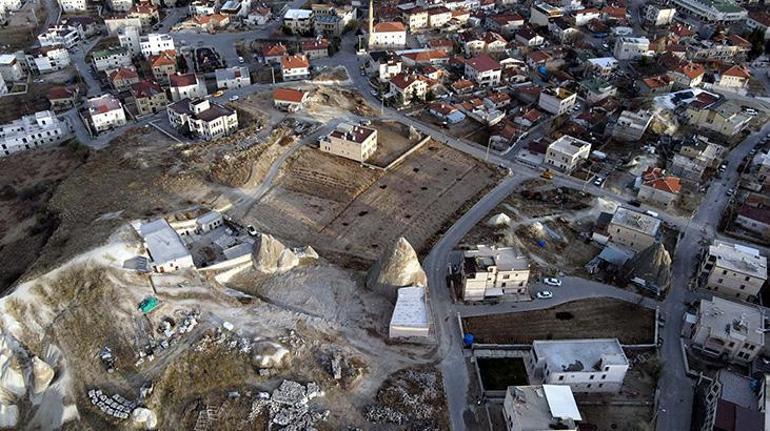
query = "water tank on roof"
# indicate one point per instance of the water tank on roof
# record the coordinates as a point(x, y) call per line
point(542, 71)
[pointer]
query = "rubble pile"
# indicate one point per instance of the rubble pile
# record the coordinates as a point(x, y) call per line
point(341, 368)
point(263, 353)
point(410, 395)
point(288, 407)
point(397, 267)
point(172, 333)
point(115, 406)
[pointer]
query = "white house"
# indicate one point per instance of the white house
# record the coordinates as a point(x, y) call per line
point(540, 408)
point(48, 59)
point(556, 101)
point(69, 6)
point(295, 67)
point(410, 316)
point(232, 77)
point(298, 20)
point(407, 87)
point(351, 141)
point(166, 250)
point(659, 14)
point(11, 68)
point(566, 152)
point(155, 43)
point(631, 48)
point(65, 35)
point(111, 58)
point(186, 86)
point(733, 270)
point(32, 131)
point(130, 37)
point(120, 5)
point(483, 69)
point(387, 35)
point(491, 272)
point(105, 112)
point(730, 330)
point(202, 118)
point(589, 365)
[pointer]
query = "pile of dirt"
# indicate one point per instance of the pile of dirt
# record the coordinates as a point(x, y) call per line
point(397, 267)
point(335, 74)
point(238, 167)
point(328, 99)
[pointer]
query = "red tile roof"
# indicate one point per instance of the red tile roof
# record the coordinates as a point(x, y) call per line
point(294, 61)
point(483, 63)
point(179, 80)
point(288, 95)
point(403, 80)
point(389, 27)
point(274, 50)
point(691, 70)
point(738, 71)
point(145, 88)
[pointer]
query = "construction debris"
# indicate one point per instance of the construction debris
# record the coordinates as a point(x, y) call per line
point(344, 369)
point(145, 418)
point(288, 407)
point(414, 396)
point(115, 405)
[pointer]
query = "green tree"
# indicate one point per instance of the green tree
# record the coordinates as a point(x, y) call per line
point(757, 39)
point(429, 96)
point(415, 99)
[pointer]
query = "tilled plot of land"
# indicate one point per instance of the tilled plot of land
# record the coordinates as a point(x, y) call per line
point(339, 206)
point(591, 318)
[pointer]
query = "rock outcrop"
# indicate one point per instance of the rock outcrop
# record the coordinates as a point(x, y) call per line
point(273, 256)
point(268, 354)
point(144, 418)
point(42, 374)
point(397, 267)
point(500, 219)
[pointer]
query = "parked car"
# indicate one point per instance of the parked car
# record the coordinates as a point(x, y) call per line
point(251, 230)
point(635, 203)
point(599, 181)
point(218, 93)
point(552, 281)
point(730, 192)
point(234, 98)
point(241, 60)
point(544, 294)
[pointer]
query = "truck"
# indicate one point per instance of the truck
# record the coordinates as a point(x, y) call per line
point(547, 174)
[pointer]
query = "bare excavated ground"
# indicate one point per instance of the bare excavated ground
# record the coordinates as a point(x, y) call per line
point(393, 141)
point(353, 212)
point(592, 318)
point(27, 183)
point(22, 29)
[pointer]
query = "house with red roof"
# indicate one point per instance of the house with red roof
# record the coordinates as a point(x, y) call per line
point(658, 189)
point(274, 52)
point(62, 98)
point(289, 99)
point(736, 77)
point(188, 85)
point(388, 35)
point(163, 65)
point(149, 97)
point(104, 112)
point(295, 67)
point(483, 69)
point(408, 86)
point(315, 48)
point(688, 74)
point(123, 77)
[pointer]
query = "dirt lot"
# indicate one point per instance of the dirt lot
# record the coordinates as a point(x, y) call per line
point(594, 318)
point(617, 417)
point(27, 182)
point(392, 141)
point(21, 29)
point(340, 207)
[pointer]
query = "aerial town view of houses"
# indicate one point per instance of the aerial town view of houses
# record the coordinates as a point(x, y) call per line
point(518, 215)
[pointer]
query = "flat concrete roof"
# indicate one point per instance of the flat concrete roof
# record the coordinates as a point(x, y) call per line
point(411, 310)
point(162, 241)
point(579, 355)
point(732, 320)
point(739, 258)
point(505, 259)
point(540, 407)
point(636, 220)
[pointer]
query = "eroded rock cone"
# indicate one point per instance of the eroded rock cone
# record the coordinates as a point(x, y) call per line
point(397, 267)
point(271, 255)
point(42, 374)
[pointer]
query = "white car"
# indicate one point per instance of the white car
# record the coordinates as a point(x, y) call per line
point(544, 294)
point(241, 60)
point(234, 98)
point(551, 281)
point(251, 230)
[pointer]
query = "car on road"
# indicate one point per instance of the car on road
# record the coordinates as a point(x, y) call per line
point(374, 93)
point(544, 294)
point(730, 192)
point(241, 60)
point(234, 98)
point(552, 281)
point(251, 230)
point(366, 122)
point(599, 181)
point(218, 93)
point(635, 203)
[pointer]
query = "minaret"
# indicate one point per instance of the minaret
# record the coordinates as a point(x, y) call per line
point(371, 23)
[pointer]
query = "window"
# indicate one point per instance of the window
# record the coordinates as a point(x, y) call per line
point(604, 376)
point(588, 385)
point(591, 377)
point(724, 272)
point(561, 378)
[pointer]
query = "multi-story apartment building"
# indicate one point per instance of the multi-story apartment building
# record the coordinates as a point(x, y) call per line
point(105, 112)
point(11, 68)
point(659, 14)
point(541, 14)
point(32, 131)
point(202, 118)
point(591, 365)
point(733, 270)
point(438, 16)
point(120, 5)
point(66, 35)
point(556, 101)
point(566, 153)
point(232, 77)
point(729, 330)
point(491, 272)
point(483, 69)
point(48, 59)
point(633, 229)
point(406, 87)
point(631, 48)
point(540, 407)
point(731, 404)
point(70, 6)
point(295, 67)
point(129, 37)
point(163, 66)
point(351, 141)
point(111, 58)
point(415, 18)
point(631, 125)
point(726, 118)
point(155, 43)
point(298, 20)
point(186, 86)
point(711, 10)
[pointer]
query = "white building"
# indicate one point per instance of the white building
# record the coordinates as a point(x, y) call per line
point(155, 43)
point(631, 48)
point(120, 5)
point(603, 66)
point(596, 365)
point(69, 6)
point(295, 67)
point(410, 316)
point(556, 101)
point(232, 77)
point(202, 118)
point(729, 330)
point(659, 14)
point(541, 14)
point(483, 69)
point(733, 270)
point(540, 408)
point(11, 68)
point(187, 86)
point(32, 131)
point(633, 229)
point(387, 35)
point(351, 141)
point(111, 58)
point(491, 272)
point(3, 87)
point(712, 10)
point(164, 246)
point(631, 125)
point(48, 59)
point(66, 35)
point(298, 20)
point(105, 112)
point(566, 153)
point(129, 37)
